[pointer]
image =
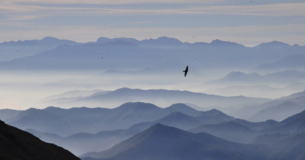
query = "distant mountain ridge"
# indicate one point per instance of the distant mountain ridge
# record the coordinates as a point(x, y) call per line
point(160, 40)
point(281, 108)
point(160, 62)
point(292, 124)
point(289, 62)
point(46, 41)
point(276, 44)
point(19, 49)
point(159, 97)
point(83, 56)
point(69, 121)
point(254, 77)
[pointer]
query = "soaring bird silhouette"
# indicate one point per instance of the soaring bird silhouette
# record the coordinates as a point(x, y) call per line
point(186, 70)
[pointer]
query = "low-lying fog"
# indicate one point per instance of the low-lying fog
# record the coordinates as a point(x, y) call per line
point(22, 90)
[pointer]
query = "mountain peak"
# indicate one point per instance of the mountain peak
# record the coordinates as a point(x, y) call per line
point(162, 41)
point(138, 106)
point(218, 42)
point(180, 106)
point(158, 41)
point(241, 76)
point(50, 39)
point(123, 89)
point(117, 41)
point(159, 126)
point(273, 44)
point(214, 116)
point(103, 40)
point(46, 41)
point(215, 111)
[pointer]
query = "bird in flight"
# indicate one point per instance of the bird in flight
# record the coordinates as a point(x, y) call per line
point(186, 70)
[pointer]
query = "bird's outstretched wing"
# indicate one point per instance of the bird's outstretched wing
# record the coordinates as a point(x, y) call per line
point(186, 70)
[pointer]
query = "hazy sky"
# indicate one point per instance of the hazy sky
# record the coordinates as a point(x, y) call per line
point(248, 22)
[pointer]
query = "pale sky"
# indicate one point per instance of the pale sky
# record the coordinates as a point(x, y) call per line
point(248, 22)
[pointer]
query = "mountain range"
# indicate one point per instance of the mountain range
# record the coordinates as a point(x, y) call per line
point(68, 127)
point(281, 108)
point(275, 77)
point(19, 49)
point(153, 123)
point(163, 142)
point(254, 109)
point(275, 140)
point(65, 122)
point(149, 55)
point(160, 97)
point(79, 130)
point(110, 64)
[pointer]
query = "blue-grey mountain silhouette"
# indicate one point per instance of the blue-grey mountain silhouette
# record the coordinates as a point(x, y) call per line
point(62, 121)
point(160, 97)
point(218, 54)
point(281, 108)
point(231, 131)
point(164, 143)
point(18, 49)
point(69, 127)
point(293, 124)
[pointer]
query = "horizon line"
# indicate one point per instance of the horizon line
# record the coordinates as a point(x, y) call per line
point(139, 39)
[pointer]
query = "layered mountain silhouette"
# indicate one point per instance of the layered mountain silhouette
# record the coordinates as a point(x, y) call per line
point(117, 53)
point(231, 131)
point(18, 144)
point(282, 140)
point(65, 122)
point(293, 124)
point(47, 41)
point(69, 127)
point(275, 77)
point(281, 108)
point(19, 49)
point(290, 148)
point(289, 62)
point(159, 97)
point(285, 138)
point(180, 120)
point(130, 120)
point(136, 130)
point(163, 142)
point(6, 114)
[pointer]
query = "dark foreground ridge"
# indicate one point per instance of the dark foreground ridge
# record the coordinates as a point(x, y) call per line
point(16, 144)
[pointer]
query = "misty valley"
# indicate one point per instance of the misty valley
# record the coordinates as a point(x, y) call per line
point(129, 99)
